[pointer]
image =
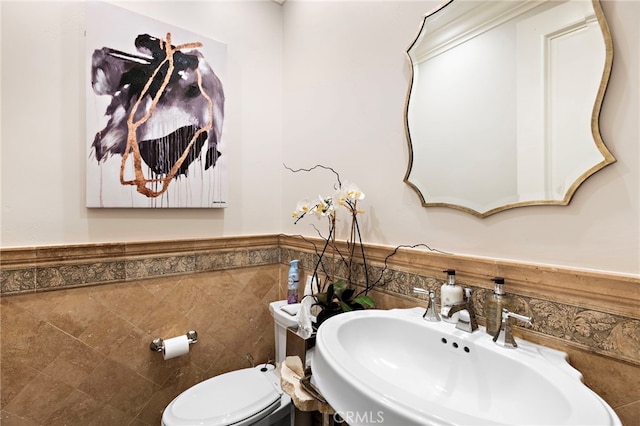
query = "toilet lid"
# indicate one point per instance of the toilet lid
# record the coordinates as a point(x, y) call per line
point(223, 400)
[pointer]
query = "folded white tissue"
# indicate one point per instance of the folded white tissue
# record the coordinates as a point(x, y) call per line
point(305, 318)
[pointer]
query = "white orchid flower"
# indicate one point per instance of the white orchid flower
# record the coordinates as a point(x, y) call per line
point(324, 206)
point(341, 197)
point(303, 207)
point(348, 196)
point(352, 192)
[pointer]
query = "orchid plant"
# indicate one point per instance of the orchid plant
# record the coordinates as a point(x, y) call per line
point(337, 295)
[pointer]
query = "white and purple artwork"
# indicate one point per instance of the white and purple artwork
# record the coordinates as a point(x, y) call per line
point(155, 112)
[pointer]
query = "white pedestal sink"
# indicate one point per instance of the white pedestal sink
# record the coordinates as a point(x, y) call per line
point(394, 368)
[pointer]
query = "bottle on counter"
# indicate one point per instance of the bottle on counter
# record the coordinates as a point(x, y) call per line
point(493, 306)
point(292, 282)
point(450, 294)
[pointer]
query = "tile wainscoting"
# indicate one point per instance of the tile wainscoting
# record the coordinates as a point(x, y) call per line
point(79, 355)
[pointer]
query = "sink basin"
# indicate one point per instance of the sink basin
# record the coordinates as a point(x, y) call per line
point(392, 367)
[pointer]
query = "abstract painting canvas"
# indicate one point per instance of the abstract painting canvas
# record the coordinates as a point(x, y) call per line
point(155, 113)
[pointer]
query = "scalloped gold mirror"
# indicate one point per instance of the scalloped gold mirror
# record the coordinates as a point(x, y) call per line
point(503, 103)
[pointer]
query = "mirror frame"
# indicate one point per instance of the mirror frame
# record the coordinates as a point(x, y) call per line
point(595, 123)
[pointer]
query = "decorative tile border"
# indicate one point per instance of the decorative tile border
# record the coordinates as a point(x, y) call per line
point(54, 276)
point(18, 280)
point(51, 268)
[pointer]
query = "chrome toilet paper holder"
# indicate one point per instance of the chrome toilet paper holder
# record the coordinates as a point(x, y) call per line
point(157, 344)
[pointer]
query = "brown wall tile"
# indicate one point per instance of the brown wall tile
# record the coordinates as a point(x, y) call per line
point(42, 397)
point(83, 353)
point(629, 414)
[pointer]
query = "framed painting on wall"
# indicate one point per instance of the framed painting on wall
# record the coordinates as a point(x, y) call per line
point(154, 111)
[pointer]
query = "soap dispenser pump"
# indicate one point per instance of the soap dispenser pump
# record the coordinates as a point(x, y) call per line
point(494, 305)
point(450, 294)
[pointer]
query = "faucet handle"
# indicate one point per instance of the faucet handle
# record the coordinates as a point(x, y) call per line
point(504, 337)
point(508, 314)
point(431, 313)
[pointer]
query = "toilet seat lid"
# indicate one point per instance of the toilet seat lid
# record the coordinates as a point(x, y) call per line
point(223, 400)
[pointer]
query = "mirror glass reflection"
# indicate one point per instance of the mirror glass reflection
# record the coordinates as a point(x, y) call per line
point(503, 103)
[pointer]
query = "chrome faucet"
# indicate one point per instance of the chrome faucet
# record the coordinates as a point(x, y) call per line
point(465, 323)
point(504, 337)
point(431, 314)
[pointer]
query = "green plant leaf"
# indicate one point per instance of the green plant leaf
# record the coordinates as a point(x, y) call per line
point(365, 301)
point(340, 284)
point(345, 307)
point(321, 298)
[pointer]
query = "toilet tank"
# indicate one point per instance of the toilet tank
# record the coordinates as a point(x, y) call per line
point(281, 321)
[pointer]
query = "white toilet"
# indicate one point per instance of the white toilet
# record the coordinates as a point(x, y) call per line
point(251, 396)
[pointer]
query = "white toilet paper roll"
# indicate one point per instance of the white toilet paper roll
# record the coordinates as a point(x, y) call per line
point(175, 346)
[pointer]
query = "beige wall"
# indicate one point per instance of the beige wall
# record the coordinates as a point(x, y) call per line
point(345, 83)
point(308, 82)
point(44, 78)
